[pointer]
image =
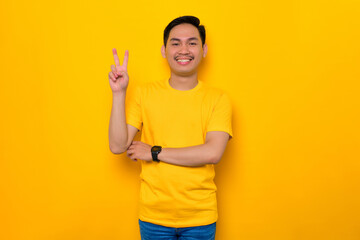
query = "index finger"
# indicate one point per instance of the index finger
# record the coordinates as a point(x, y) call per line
point(116, 58)
point(126, 57)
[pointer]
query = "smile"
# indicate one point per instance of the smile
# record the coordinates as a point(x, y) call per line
point(183, 61)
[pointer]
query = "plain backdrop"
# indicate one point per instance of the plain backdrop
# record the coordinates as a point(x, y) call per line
point(291, 69)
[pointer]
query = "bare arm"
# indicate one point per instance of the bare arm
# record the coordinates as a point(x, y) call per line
point(120, 133)
point(208, 153)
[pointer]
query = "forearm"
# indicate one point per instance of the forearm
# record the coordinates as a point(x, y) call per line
point(190, 156)
point(208, 153)
point(118, 132)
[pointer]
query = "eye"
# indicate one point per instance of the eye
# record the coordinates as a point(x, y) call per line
point(175, 44)
point(193, 43)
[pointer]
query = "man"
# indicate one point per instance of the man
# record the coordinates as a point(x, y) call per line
point(185, 128)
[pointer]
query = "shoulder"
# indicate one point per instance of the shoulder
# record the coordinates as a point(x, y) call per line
point(214, 94)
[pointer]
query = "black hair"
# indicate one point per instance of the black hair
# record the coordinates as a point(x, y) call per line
point(185, 19)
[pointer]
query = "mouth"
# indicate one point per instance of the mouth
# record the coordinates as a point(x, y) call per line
point(183, 60)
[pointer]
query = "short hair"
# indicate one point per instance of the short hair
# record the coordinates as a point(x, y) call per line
point(185, 19)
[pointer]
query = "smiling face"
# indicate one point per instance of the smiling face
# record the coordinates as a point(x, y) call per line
point(184, 50)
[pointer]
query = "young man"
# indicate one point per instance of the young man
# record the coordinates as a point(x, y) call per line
point(185, 128)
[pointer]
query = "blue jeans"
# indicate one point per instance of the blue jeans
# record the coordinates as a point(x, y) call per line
point(150, 231)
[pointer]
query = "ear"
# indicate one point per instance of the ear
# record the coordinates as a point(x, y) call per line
point(163, 51)
point(205, 50)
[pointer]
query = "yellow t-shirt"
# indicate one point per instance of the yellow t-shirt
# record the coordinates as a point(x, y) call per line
point(172, 195)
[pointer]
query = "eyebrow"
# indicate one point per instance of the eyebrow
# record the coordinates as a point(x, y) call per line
point(189, 39)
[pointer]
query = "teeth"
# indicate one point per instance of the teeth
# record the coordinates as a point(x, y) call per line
point(183, 60)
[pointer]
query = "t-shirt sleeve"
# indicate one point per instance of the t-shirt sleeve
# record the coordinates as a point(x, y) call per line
point(133, 109)
point(221, 117)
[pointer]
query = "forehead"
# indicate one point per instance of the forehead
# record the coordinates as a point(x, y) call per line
point(184, 31)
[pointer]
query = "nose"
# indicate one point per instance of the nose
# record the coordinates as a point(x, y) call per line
point(184, 49)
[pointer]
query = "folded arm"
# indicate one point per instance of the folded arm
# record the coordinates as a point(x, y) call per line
point(208, 153)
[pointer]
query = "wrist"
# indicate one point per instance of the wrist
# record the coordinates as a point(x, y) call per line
point(155, 151)
point(161, 154)
point(119, 94)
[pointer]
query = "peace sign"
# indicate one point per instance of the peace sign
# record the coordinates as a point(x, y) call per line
point(118, 77)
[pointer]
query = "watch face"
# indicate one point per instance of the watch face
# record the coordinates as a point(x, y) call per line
point(156, 149)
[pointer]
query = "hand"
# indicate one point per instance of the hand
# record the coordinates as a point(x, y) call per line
point(139, 150)
point(118, 77)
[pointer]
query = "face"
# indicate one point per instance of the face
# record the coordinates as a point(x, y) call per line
point(184, 50)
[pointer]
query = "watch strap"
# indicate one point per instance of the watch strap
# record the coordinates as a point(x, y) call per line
point(155, 150)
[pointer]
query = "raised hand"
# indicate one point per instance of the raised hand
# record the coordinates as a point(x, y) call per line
point(118, 77)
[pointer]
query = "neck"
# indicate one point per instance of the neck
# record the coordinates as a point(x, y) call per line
point(183, 83)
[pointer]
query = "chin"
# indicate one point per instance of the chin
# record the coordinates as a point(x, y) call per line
point(183, 73)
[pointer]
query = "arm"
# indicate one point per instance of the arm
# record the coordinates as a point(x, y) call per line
point(208, 153)
point(120, 133)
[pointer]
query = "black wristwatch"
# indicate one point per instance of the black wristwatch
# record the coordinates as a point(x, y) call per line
point(155, 150)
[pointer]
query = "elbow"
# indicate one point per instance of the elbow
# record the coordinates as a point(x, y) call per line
point(117, 150)
point(215, 159)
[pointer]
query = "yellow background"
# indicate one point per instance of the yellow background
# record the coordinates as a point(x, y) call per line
point(291, 68)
